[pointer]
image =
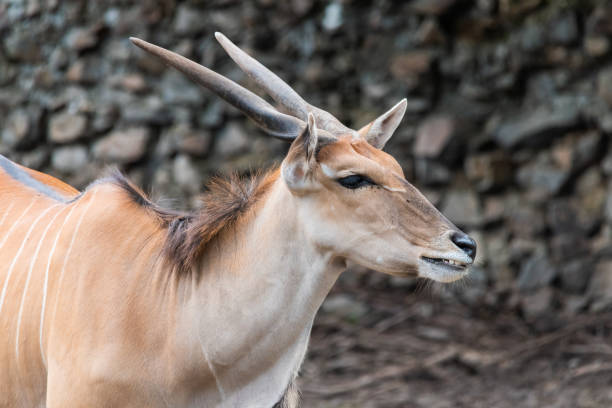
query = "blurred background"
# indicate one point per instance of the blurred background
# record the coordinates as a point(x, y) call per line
point(507, 132)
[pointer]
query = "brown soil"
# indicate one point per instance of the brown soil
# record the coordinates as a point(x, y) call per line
point(413, 350)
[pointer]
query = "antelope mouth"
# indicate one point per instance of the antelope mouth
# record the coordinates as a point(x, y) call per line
point(446, 263)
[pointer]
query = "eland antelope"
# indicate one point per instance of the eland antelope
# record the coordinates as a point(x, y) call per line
point(108, 300)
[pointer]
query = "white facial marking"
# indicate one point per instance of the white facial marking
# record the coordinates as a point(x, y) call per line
point(45, 285)
point(328, 171)
point(393, 189)
point(10, 270)
point(27, 282)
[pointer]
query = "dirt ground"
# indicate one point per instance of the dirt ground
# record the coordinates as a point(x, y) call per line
point(413, 350)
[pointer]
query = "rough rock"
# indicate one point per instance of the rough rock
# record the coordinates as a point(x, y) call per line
point(411, 64)
point(537, 304)
point(536, 126)
point(430, 33)
point(433, 136)
point(186, 175)
point(69, 159)
point(606, 164)
point(232, 140)
point(67, 127)
point(493, 210)
point(431, 7)
point(105, 117)
point(188, 20)
point(332, 17)
point(462, 208)
point(524, 221)
point(604, 85)
point(81, 39)
point(122, 146)
point(429, 172)
point(35, 159)
point(23, 129)
point(608, 208)
point(575, 275)
point(182, 138)
point(592, 196)
point(542, 177)
point(150, 111)
point(522, 248)
point(131, 82)
point(176, 89)
point(564, 29)
point(574, 304)
point(537, 272)
point(7, 71)
point(565, 247)
point(195, 143)
point(17, 130)
point(212, 116)
point(533, 36)
point(587, 149)
point(22, 45)
point(596, 46)
point(488, 171)
point(600, 287)
point(76, 72)
point(561, 216)
point(86, 71)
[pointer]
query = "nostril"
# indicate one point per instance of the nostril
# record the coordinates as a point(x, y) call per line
point(467, 244)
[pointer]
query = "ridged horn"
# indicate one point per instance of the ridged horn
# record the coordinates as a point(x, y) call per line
point(273, 122)
point(280, 91)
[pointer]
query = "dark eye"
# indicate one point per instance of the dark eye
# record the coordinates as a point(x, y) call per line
point(355, 181)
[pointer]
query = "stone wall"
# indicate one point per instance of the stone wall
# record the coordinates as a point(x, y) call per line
point(509, 112)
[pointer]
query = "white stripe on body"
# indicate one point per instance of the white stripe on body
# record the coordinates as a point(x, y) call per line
point(10, 270)
point(74, 235)
point(8, 233)
point(45, 285)
point(27, 282)
point(8, 210)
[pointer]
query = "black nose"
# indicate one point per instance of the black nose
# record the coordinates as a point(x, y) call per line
point(463, 241)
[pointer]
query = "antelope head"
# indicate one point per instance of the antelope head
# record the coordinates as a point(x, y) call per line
point(353, 197)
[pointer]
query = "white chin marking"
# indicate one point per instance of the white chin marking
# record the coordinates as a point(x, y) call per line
point(444, 277)
point(442, 273)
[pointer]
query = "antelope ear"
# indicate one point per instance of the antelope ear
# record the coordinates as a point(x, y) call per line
point(313, 140)
point(380, 130)
point(301, 159)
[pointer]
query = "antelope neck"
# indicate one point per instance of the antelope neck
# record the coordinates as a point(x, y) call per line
point(253, 309)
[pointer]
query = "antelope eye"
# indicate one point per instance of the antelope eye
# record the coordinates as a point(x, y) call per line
point(355, 181)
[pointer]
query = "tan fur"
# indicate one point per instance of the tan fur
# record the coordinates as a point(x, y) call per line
point(225, 202)
point(108, 300)
point(56, 184)
point(121, 327)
